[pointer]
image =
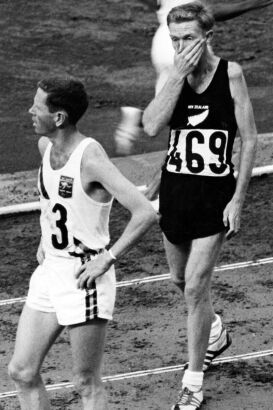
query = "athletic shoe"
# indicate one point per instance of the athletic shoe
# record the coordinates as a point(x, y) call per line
point(189, 400)
point(128, 130)
point(215, 349)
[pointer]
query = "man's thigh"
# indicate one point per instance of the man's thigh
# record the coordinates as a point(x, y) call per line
point(87, 345)
point(202, 257)
point(36, 333)
point(177, 257)
point(193, 258)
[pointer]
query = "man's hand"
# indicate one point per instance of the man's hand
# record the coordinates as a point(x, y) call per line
point(232, 217)
point(92, 269)
point(40, 255)
point(187, 60)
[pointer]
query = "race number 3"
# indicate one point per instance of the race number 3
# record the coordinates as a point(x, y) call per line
point(60, 242)
point(198, 152)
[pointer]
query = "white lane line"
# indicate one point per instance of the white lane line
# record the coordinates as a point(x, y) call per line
point(164, 276)
point(159, 370)
point(155, 278)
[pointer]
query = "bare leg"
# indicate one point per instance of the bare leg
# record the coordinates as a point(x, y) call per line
point(177, 257)
point(87, 343)
point(35, 334)
point(191, 264)
point(202, 259)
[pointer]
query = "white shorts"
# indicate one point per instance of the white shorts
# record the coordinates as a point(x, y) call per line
point(53, 288)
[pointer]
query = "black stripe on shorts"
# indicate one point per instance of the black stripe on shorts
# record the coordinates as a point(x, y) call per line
point(91, 313)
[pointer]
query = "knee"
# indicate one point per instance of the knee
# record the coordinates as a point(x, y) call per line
point(22, 374)
point(178, 279)
point(196, 291)
point(87, 382)
point(193, 293)
point(180, 283)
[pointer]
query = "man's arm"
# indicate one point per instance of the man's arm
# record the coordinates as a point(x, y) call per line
point(152, 190)
point(225, 10)
point(97, 167)
point(248, 134)
point(158, 113)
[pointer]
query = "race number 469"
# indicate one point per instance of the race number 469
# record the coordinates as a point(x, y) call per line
point(198, 151)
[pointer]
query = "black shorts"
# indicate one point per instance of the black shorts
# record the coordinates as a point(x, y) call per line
point(192, 206)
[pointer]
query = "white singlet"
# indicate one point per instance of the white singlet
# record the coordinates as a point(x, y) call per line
point(69, 218)
point(68, 215)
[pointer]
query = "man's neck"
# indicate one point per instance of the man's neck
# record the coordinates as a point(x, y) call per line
point(65, 139)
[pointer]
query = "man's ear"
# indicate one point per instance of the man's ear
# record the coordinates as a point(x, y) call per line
point(61, 119)
point(209, 36)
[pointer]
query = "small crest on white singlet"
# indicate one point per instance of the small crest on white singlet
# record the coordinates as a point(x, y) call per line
point(66, 186)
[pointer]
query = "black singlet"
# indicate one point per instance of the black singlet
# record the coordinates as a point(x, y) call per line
point(202, 129)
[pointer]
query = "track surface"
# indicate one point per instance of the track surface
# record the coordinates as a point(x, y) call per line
point(148, 330)
point(108, 46)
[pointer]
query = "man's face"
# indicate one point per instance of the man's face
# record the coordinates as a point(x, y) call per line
point(43, 120)
point(183, 34)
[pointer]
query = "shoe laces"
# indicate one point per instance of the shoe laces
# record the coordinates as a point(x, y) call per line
point(185, 396)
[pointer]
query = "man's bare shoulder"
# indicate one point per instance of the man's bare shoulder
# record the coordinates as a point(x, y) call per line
point(94, 153)
point(95, 159)
point(237, 82)
point(235, 71)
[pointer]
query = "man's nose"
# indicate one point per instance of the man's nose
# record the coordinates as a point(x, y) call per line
point(31, 110)
point(180, 46)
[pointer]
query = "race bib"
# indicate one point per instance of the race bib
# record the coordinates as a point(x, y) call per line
point(198, 152)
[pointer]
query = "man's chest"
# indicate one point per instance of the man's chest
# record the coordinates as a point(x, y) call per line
point(58, 159)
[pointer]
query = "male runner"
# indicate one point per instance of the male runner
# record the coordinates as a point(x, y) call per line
point(203, 101)
point(74, 284)
point(162, 55)
point(162, 52)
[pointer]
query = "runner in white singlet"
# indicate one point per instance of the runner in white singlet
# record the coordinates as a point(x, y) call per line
point(74, 284)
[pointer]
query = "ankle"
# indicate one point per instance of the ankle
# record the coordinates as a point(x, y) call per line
point(193, 380)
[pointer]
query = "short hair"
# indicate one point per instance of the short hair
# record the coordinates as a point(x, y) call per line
point(65, 93)
point(190, 12)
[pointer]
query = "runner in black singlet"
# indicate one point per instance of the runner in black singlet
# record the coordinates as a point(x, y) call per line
point(204, 101)
point(162, 55)
point(202, 132)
